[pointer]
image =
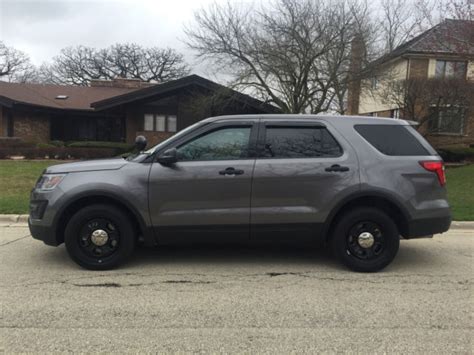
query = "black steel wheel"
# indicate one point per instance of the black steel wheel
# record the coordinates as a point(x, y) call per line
point(99, 237)
point(365, 239)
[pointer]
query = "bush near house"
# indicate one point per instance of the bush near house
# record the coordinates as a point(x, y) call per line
point(457, 154)
point(118, 146)
point(58, 153)
point(63, 150)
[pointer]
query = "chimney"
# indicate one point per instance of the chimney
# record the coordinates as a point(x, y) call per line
point(123, 83)
point(355, 68)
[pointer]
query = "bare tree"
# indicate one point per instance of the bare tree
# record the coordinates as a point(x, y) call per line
point(15, 66)
point(292, 53)
point(435, 11)
point(399, 22)
point(79, 65)
point(435, 103)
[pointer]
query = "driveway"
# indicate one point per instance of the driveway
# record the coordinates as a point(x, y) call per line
point(236, 299)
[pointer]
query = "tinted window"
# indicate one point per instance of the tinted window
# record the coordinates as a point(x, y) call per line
point(222, 144)
point(392, 139)
point(300, 142)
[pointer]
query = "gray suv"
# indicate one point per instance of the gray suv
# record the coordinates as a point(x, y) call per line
point(354, 183)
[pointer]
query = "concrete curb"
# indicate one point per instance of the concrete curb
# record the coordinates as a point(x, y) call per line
point(462, 225)
point(10, 218)
point(13, 220)
point(20, 220)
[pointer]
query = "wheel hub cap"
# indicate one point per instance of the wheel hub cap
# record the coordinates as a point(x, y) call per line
point(366, 240)
point(99, 237)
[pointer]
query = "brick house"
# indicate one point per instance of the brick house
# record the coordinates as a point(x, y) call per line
point(116, 110)
point(444, 52)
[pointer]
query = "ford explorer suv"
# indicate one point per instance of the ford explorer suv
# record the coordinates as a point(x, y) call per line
point(357, 184)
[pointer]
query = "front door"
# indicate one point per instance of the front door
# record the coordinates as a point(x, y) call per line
point(207, 192)
point(302, 169)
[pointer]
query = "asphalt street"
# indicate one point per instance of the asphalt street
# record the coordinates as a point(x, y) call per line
point(237, 299)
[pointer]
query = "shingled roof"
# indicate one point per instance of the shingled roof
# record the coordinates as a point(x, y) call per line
point(78, 97)
point(172, 86)
point(450, 37)
point(93, 98)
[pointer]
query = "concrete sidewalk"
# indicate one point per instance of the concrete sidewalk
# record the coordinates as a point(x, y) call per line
point(21, 220)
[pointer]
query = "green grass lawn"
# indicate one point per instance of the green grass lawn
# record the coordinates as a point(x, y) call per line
point(460, 182)
point(18, 177)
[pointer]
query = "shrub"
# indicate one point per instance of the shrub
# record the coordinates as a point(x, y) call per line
point(8, 142)
point(457, 154)
point(119, 147)
point(44, 145)
point(57, 143)
point(57, 153)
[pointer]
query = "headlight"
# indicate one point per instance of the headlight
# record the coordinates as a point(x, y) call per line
point(49, 182)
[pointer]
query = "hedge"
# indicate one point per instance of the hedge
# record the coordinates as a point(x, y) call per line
point(457, 154)
point(118, 146)
point(8, 142)
point(57, 153)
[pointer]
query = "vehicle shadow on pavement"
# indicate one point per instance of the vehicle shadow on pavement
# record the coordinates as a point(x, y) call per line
point(318, 258)
point(233, 254)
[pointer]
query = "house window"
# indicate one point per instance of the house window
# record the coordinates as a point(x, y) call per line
point(374, 83)
point(172, 124)
point(448, 120)
point(450, 69)
point(395, 113)
point(160, 123)
point(148, 123)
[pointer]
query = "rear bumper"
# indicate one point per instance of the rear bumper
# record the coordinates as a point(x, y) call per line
point(43, 233)
point(423, 227)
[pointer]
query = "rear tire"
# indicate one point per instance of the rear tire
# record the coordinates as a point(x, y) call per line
point(365, 239)
point(99, 237)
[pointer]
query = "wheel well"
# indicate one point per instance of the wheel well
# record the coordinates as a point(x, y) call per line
point(91, 200)
point(390, 208)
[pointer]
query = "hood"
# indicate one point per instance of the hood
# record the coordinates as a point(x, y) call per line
point(89, 165)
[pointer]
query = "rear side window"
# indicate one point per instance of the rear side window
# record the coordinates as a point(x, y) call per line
point(392, 139)
point(300, 142)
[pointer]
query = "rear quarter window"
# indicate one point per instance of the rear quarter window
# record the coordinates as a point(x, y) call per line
point(392, 139)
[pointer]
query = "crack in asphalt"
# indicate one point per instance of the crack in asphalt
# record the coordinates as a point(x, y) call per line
point(404, 279)
point(105, 284)
point(274, 274)
point(115, 284)
point(186, 282)
point(15, 240)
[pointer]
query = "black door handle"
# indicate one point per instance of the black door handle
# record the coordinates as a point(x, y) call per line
point(231, 171)
point(337, 167)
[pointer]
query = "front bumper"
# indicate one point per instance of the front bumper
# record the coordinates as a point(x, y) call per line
point(43, 233)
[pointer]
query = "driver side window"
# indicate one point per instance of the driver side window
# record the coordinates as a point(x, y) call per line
point(227, 143)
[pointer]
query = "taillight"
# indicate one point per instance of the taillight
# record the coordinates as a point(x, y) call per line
point(436, 167)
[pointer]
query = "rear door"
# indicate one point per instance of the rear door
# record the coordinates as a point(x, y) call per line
point(301, 169)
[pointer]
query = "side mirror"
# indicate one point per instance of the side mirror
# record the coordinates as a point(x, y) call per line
point(168, 157)
point(140, 143)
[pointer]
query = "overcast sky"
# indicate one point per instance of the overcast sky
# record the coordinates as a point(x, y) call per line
point(41, 28)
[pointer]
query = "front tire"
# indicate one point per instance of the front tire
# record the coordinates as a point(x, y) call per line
point(99, 237)
point(365, 239)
